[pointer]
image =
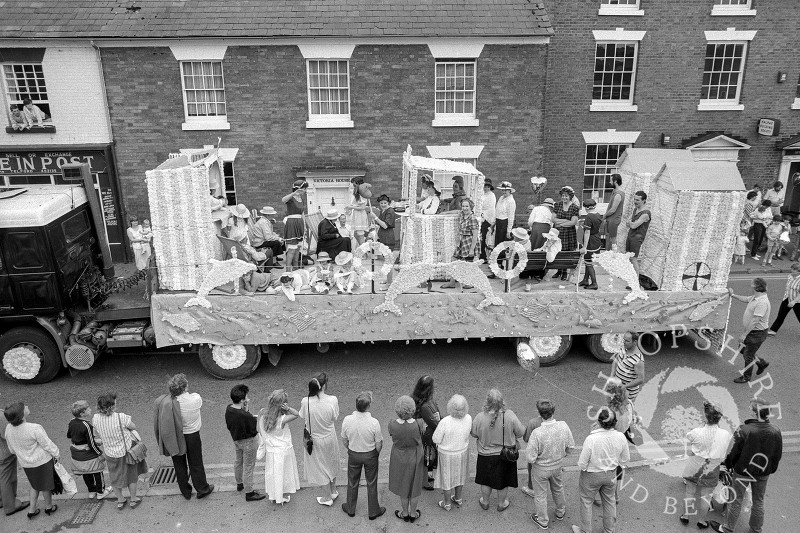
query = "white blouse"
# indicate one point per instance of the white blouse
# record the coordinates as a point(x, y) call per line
point(429, 205)
point(506, 208)
point(452, 434)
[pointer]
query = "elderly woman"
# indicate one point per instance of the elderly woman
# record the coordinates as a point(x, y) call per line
point(566, 220)
point(708, 446)
point(452, 441)
point(117, 431)
point(320, 411)
point(35, 453)
point(87, 456)
point(428, 411)
point(406, 464)
point(495, 427)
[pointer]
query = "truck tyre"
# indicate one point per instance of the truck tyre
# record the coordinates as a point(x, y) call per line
point(247, 357)
point(599, 344)
point(551, 349)
point(37, 343)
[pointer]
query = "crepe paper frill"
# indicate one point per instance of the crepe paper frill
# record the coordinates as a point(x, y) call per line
point(546, 346)
point(519, 254)
point(229, 357)
point(612, 342)
point(378, 248)
point(21, 363)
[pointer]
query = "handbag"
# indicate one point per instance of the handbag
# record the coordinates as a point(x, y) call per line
point(510, 454)
point(68, 484)
point(308, 442)
point(429, 452)
point(138, 451)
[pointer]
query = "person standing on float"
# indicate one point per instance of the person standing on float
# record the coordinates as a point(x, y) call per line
point(293, 227)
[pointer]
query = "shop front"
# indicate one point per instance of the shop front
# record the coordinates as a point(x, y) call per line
point(38, 166)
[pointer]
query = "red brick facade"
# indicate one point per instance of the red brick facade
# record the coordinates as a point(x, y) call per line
point(668, 82)
point(392, 95)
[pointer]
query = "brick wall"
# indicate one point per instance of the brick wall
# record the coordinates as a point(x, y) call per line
point(391, 104)
point(668, 81)
point(75, 95)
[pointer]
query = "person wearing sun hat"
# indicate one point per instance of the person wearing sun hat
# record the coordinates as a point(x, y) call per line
point(487, 214)
point(262, 234)
point(330, 240)
point(238, 227)
point(505, 210)
point(521, 236)
point(344, 276)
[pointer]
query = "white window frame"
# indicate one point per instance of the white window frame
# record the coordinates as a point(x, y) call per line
point(456, 119)
point(729, 36)
point(210, 122)
point(726, 10)
point(796, 103)
point(200, 52)
point(618, 36)
point(607, 8)
point(328, 120)
point(608, 137)
point(48, 122)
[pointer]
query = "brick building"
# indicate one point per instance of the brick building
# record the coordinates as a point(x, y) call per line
point(321, 90)
point(696, 74)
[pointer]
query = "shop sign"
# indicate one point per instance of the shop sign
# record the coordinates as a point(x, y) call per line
point(38, 163)
point(769, 127)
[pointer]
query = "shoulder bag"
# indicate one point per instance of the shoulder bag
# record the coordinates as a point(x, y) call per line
point(138, 451)
point(509, 454)
point(307, 440)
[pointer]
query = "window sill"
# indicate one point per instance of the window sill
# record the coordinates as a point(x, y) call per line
point(46, 128)
point(711, 106)
point(621, 11)
point(796, 104)
point(445, 121)
point(330, 122)
point(609, 106)
point(206, 124)
point(720, 11)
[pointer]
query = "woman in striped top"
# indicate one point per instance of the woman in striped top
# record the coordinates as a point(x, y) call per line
point(790, 298)
point(628, 365)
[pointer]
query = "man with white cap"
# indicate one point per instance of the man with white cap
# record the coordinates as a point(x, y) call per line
point(262, 234)
point(330, 241)
point(540, 221)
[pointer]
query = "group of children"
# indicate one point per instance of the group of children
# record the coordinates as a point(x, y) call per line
point(774, 230)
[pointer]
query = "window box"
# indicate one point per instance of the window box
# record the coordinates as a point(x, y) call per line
point(44, 128)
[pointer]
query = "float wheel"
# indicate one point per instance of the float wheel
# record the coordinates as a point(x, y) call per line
point(210, 358)
point(40, 344)
point(598, 344)
point(551, 349)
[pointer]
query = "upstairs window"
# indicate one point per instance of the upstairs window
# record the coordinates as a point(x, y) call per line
point(28, 107)
point(614, 73)
point(455, 93)
point(204, 95)
point(722, 73)
point(620, 7)
point(733, 7)
point(329, 93)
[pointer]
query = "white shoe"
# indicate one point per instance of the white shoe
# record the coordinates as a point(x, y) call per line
point(106, 492)
point(92, 495)
point(527, 491)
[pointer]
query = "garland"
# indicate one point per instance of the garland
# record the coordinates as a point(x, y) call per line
point(95, 288)
point(546, 346)
point(519, 253)
point(22, 363)
point(376, 247)
point(229, 357)
point(612, 342)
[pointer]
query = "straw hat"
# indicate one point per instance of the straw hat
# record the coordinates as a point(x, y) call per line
point(506, 186)
point(323, 257)
point(342, 258)
point(332, 214)
point(267, 210)
point(552, 234)
point(520, 233)
point(549, 202)
point(240, 211)
point(299, 184)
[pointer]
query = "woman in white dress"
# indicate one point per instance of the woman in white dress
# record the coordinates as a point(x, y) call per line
point(280, 468)
point(320, 412)
point(139, 243)
point(452, 441)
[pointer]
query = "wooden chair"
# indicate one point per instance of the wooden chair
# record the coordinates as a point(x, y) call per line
point(312, 221)
point(241, 253)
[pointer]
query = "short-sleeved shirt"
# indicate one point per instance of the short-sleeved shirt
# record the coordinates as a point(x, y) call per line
point(361, 431)
point(190, 403)
point(491, 437)
point(758, 309)
point(592, 224)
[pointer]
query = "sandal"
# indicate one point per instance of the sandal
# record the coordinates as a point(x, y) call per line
point(34, 513)
point(445, 506)
point(135, 503)
point(457, 502)
point(121, 504)
point(52, 510)
point(401, 517)
point(484, 506)
point(503, 508)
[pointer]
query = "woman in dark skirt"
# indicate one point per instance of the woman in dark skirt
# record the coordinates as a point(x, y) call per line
point(566, 221)
point(294, 226)
point(495, 427)
point(427, 410)
point(406, 464)
point(87, 456)
point(36, 454)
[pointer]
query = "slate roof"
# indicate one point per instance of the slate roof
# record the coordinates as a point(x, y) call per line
point(40, 19)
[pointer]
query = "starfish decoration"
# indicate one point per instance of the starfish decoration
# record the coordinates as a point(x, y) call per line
point(364, 313)
point(302, 318)
point(459, 316)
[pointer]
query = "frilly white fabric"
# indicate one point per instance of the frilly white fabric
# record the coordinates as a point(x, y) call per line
point(546, 346)
point(221, 273)
point(22, 363)
point(379, 248)
point(612, 342)
point(229, 357)
point(519, 253)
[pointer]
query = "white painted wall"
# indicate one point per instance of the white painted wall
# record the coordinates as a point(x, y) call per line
point(77, 101)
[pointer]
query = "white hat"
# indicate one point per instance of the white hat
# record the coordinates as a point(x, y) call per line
point(323, 257)
point(520, 233)
point(549, 203)
point(506, 186)
point(342, 258)
point(332, 214)
point(552, 234)
point(240, 211)
point(267, 210)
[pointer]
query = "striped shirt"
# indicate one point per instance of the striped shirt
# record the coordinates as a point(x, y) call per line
point(792, 293)
point(108, 427)
point(626, 370)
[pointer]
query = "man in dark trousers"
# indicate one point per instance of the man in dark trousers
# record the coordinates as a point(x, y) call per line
point(756, 327)
point(755, 454)
point(244, 431)
point(8, 476)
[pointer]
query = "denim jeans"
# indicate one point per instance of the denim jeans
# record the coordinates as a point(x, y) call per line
point(758, 487)
point(245, 462)
point(544, 478)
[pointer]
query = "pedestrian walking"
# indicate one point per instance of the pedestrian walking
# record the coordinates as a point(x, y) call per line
point(243, 427)
point(756, 325)
point(547, 447)
point(428, 411)
point(755, 455)
point(117, 431)
point(406, 462)
point(281, 478)
point(190, 463)
point(85, 451)
point(452, 441)
point(8, 476)
point(628, 365)
point(532, 424)
point(36, 454)
point(604, 449)
point(363, 439)
point(791, 297)
point(497, 430)
point(320, 411)
point(707, 446)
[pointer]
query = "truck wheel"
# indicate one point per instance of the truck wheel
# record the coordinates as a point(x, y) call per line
point(603, 346)
point(235, 361)
point(552, 349)
point(29, 352)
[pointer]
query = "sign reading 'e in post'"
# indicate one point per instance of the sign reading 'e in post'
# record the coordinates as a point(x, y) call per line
point(769, 127)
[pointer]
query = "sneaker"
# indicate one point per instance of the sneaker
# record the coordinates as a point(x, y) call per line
point(771, 333)
point(741, 379)
point(527, 492)
point(240, 487)
point(756, 257)
point(107, 491)
point(535, 519)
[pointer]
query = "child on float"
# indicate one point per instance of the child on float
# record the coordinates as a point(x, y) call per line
point(322, 277)
point(344, 276)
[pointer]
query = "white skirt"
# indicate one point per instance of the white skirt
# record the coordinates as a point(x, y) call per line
point(322, 466)
point(280, 473)
point(452, 471)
